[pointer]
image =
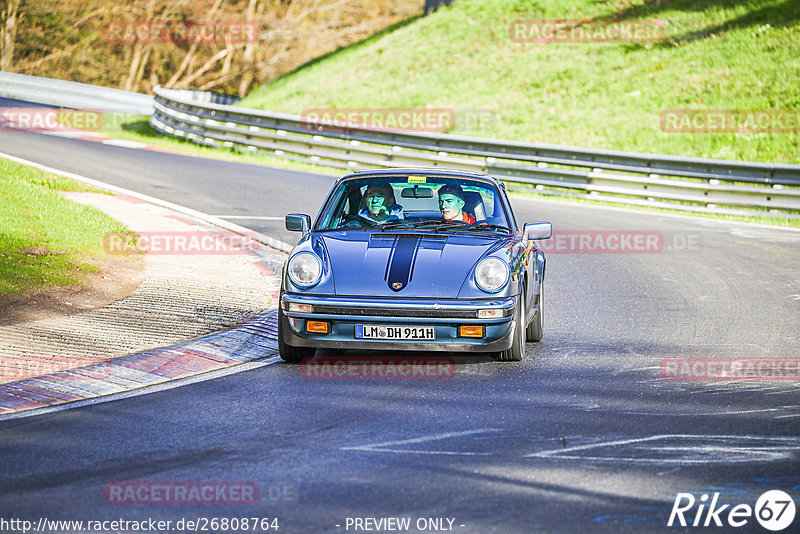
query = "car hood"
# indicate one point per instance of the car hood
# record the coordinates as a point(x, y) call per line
point(403, 264)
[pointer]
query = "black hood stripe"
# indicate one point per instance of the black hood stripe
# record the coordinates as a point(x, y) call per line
point(400, 267)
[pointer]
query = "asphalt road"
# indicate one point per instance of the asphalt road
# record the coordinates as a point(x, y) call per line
point(585, 435)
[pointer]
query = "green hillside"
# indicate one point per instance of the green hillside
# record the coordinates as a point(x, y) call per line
point(712, 55)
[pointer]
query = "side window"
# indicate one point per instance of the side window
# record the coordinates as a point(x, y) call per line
point(351, 205)
point(479, 202)
point(333, 215)
point(488, 202)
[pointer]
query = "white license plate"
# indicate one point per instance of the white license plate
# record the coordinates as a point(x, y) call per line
point(383, 331)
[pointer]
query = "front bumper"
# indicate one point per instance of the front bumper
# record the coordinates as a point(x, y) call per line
point(344, 313)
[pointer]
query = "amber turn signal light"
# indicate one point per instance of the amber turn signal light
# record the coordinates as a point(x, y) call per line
point(317, 327)
point(469, 330)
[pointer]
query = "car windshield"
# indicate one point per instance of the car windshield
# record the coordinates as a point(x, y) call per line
point(436, 203)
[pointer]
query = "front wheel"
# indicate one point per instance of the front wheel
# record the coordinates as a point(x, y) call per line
point(290, 353)
point(517, 350)
point(535, 330)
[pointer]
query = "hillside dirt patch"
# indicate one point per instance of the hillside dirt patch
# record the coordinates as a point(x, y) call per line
point(118, 278)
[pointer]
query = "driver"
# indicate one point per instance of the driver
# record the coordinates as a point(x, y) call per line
point(378, 205)
point(451, 204)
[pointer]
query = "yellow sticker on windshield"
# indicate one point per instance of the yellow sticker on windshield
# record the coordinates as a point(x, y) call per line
point(417, 179)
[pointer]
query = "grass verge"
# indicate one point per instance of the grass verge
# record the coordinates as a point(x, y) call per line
point(45, 239)
point(712, 55)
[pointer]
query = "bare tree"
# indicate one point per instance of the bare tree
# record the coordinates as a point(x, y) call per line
point(80, 39)
point(9, 13)
point(141, 55)
point(189, 58)
point(249, 54)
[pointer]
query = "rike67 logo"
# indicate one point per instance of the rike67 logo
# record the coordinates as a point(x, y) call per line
point(774, 510)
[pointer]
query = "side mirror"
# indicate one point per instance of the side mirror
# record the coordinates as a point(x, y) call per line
point(298, 222)
point(542, 230)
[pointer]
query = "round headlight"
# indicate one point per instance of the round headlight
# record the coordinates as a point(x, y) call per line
point(304, 269)
point(491, 274)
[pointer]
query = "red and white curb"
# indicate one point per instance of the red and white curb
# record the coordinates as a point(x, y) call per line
point(96, 137)
point(254, 339)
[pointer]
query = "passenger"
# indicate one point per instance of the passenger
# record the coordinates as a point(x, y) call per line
point(379, 206)
point(451, 204)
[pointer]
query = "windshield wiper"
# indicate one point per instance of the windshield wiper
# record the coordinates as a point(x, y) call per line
point(484, 226)
point(450, 225)
point(410, 224)
point(440, 225)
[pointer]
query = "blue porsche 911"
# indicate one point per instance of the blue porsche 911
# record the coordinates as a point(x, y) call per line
point(402, 259)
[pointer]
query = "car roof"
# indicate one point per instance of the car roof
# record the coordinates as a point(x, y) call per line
point(455, 173)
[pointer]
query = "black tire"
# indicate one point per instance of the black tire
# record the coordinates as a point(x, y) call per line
point(535, 330)
point(290, 353)
point(517, 351)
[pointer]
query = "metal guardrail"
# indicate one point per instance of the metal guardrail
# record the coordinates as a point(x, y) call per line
point(74, 95)
point(690, 184)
